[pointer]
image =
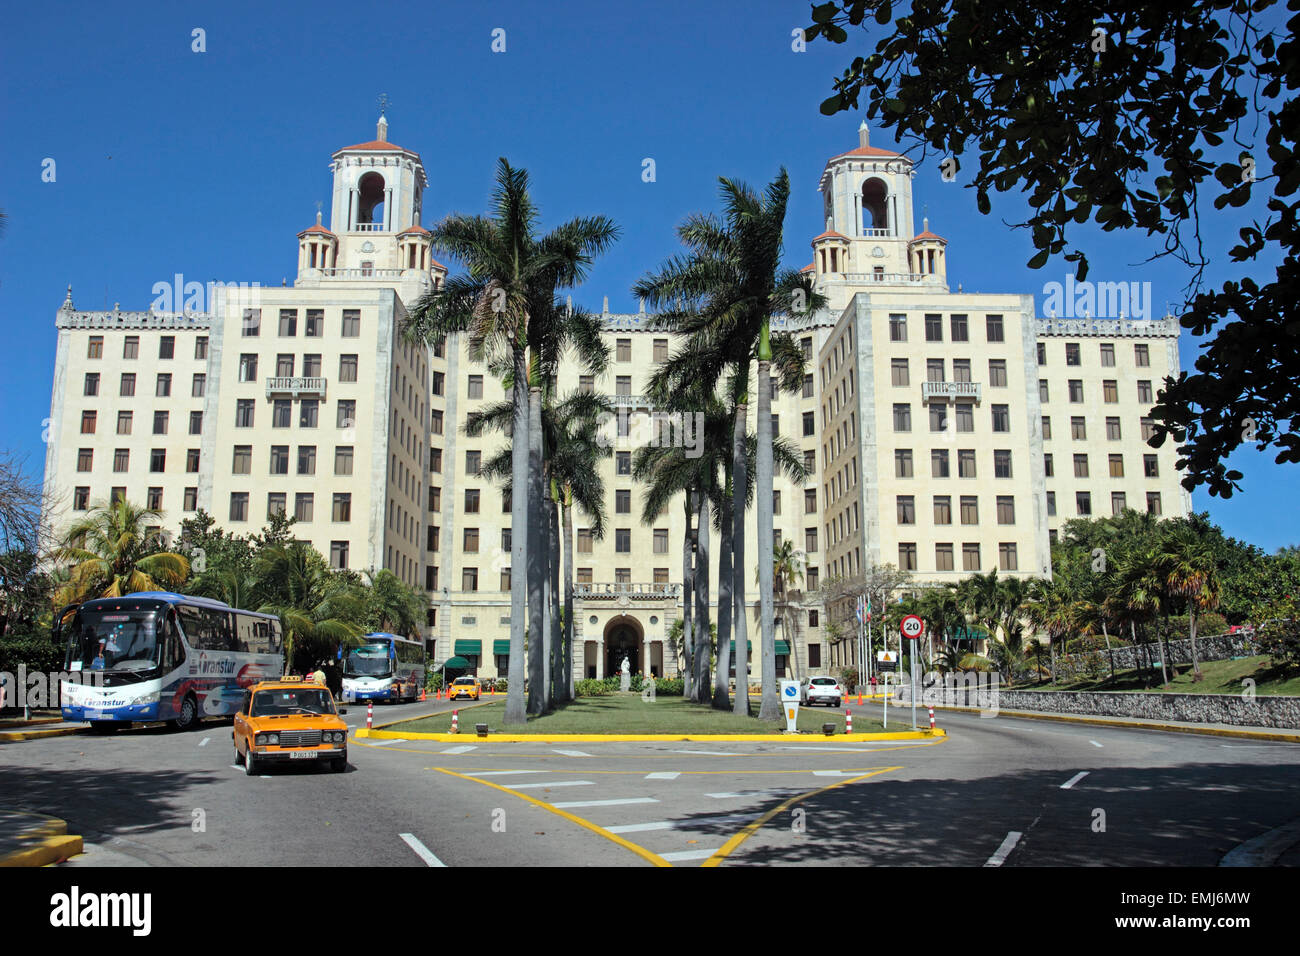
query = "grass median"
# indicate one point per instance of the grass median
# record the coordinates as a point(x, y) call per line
point(1221, 677)
point(629, 714)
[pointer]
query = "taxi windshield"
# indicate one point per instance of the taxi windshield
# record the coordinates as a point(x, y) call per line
point(291, 701)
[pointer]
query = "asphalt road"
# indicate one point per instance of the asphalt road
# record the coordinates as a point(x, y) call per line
point(1001, 791)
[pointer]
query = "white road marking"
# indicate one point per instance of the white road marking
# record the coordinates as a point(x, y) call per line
point(1069, 784)
point(463, 749)
point(728, 795)
point(573, 753)
point(383, 743)
point(710, 753)
point(204, 741)
point(1094, 743)
point(683, 824)
point(838, 773)
point(663, 775)
point(1005, 849)
point(502, 773)
point(556, 783)
point(687, 855)
point(422, 851)
point(1265, 849)
point(235, 766)
point(838, 750)
point(624, 801)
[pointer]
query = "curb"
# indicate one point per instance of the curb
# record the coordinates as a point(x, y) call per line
point(13, 736)
point(10, 722)
point(1138, 725)
point(53, 844)
point(647, 738)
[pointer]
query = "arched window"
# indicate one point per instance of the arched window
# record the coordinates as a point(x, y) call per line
point(875, 207)
point(370, 199)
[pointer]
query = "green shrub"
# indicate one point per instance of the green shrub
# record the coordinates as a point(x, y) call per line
point(1279, 635)
point(33, 650)
point(669, 686)
point(593, 688)
point(433, 680)
point(501, 685)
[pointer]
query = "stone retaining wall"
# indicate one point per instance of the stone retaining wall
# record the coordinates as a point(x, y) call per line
point(1195, 708)
point(1215, 648)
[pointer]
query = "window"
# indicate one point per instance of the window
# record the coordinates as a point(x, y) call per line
point(623, 540)
point(95, 347)
point(192, 461)
point(242, 460)
point(347, 414)
point(121, 459)
point(351, 323)
point(622, 502)
point(303, 505)
point(306, 459)
point(898, 328)
point(1002, 418)
point(1076, 390)
point(960, 371)
point(198, 384)
point(902, 418)
point(308, 412)
point(252, 326)
point(943, 557)
point(938, 417)
point(1153, 503)
point(809, 424)
point(942, 509)
point(939, 463)
point(506, 502)
point(163, 388)
point(1116, 463)
point(898, 372)
point(584, 540)
point(85, 459)
point(903, 463)
point(1144, 391)
point(993, 328)
point(438, 382)
point(1079, 428)
point(1081, 466)
point(315, 327)
point(1072, 353)
point(808, 385)
point(965, 416)
point(1002, 463)
point(1118, 502)
point(1083, 503)
point(810, 540)
point(587, 384)
point(1006, 509)
point(661, 541)
point(934, 328)
point(239, 506)
point(247, 367)
point(117, 494)
point(435, 498)
point(934, 370)
point(907, 556)
point(1047, 428)
point(970, 509)
point(970, 556)
point(1042, 353)
point(131, 347)
point(966, 463)
point(475, 386)
point(91, 388)
point(471, 501)
point(201, 347)
point(435, 460)
point(279, 460)
point(126, 388)
point(1151, 466)
point(244, 412)
point(338, 554)
point(347, 368)
point(1048, 470)
point(154, 498)
point(88, 420)
point(1007, 556)
point(288, 322)
point(1043, 395)
point(160, 423)
point(960, 329)
point(1107, 354)
point(167, 347)
point(81, 498)
point(623, 462)
point(1051, 504)
point(473, 462)
point(343, 460)
point(1148, 428)
point(276, 502)
point(1142, 356)
point(469, 542)
point(661, 350)
point(623, 350)
point(906, 509)
point(776, 426)
point(1112, 429)
point(1110, 391)
point(998, 373)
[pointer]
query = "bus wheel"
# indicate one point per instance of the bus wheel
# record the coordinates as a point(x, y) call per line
point(189, 717)
point(103, 726)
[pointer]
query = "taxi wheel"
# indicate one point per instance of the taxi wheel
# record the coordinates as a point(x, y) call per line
point(189, 716)
point(250, 763)
point(339, 764)
point(239, 758)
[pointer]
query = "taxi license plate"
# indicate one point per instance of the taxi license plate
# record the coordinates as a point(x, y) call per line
point(303, 755)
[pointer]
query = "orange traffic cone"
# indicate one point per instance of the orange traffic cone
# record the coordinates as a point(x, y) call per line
point(421, 695)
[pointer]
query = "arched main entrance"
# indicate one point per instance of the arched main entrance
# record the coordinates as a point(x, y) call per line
point(624, 637)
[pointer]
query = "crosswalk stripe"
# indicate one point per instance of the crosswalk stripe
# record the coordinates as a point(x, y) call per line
point(554, 783)
point(622, 801)
point(663, 775)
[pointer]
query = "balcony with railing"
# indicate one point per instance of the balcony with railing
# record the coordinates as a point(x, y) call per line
point(368, 227)
point(632, 402)
point(950, 391)
point(892, 278)
point(638, 591)
point(362, 273)
point(283, 385)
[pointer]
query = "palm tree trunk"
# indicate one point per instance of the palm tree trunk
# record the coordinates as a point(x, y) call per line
point(566, 668)
point(726, 575)
point(1196, 659)
point(557, 643)
point(515, 711)
point(1109, 652)
point(770, 709)
point(703, 633)
point(739, 482)
point(536, 558)
point(688, 598)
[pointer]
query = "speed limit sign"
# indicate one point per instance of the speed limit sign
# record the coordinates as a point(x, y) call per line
point(912, 627)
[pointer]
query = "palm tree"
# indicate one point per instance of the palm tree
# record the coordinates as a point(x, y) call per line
point(393, 606)
point(1141, 591)
point(720, 297)
point(1190, 571)
point(317, 612)
point(113, 553)
point(506, 297)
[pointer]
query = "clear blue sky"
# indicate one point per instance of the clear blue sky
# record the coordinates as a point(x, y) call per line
point(209, 164)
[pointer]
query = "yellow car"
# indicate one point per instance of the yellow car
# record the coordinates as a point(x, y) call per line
point(289, 721)
point(464, 687)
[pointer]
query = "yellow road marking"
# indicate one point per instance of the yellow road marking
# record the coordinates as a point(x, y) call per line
point(684, 773)
point(640, 851)
point(643, 756)
point(751, 828)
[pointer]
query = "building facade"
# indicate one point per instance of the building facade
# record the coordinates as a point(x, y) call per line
point(944, 432)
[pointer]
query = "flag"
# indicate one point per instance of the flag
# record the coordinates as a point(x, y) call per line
point(868, 607)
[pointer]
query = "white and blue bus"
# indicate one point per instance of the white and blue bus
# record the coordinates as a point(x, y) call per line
point(157, 655)
point(384, 667)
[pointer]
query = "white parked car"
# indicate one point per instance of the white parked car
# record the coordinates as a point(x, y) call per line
point(820, 690)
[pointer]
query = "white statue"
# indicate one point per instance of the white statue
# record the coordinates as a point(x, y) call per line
point(625, 669)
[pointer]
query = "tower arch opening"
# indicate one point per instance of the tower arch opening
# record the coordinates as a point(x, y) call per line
point(875, 207)
point(370, 198)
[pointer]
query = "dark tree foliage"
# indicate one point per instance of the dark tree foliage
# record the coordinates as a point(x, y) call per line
point(1119, 112)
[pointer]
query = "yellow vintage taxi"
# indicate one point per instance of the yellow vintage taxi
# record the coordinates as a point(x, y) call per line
point(464, 687)
point(289, 721)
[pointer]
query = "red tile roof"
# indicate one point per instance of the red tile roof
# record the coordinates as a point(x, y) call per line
point(414, 227)
point(830, 234)
point(316, 228)
point(866, 151)
point(928, 235)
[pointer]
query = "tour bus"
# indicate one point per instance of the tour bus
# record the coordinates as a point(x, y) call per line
point(157, 655)
point(384, 667)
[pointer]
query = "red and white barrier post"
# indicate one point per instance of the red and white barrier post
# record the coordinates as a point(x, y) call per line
point(370, 715)
point(848, 721)
point(455, 721)
point(931, 720)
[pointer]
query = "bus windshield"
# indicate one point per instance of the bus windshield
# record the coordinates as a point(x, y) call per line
point(114, 640)
point(368, 660)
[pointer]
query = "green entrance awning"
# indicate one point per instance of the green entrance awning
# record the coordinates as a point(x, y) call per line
point(782, 648)
point(749, 647)
point(456, 663)
point(501, 647)
point(466, 648)
point(968, 633)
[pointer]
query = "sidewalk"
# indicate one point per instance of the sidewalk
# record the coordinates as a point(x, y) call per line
point(13, 731)
point(32, 839)
point(1216, 730)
